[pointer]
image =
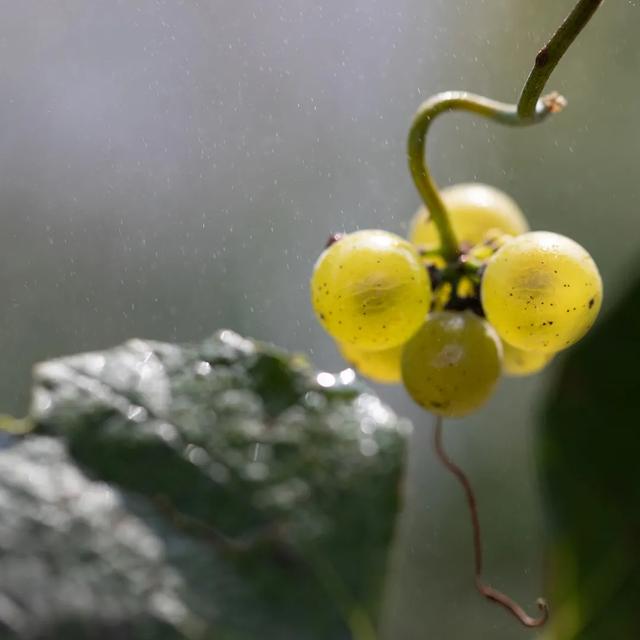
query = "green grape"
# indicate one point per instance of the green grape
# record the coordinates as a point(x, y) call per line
point(451, 365)
point(541, 291)
point(371, 290)
point(516, 362)
point(474, 209)
point(379, 366)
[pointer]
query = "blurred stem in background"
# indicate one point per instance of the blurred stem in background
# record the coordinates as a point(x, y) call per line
point(531, 108)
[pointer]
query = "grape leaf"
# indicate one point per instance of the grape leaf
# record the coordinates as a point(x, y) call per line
point(222, 490)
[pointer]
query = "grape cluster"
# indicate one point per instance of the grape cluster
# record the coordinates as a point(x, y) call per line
point(448, 329)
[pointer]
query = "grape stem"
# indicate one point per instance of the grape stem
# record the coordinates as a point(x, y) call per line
point(487, 591)
point(530, 109)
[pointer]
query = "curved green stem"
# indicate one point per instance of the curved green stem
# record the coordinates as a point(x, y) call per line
point(455, 101)
point(530, 109)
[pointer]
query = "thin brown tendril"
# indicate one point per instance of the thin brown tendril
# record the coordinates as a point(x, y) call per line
point(487, 591)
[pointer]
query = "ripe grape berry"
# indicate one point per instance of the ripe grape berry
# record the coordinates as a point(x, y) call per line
point(452, 364)
point(516, 362)
point(370, 290)
point(541, 291)
point(379, 366)
point(474, 209)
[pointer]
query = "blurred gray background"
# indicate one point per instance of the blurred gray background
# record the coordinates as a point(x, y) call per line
point(171, 167)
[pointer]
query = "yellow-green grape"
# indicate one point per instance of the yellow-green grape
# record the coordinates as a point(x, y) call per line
point(371, 290)
point(474, 209)
point(379, 366)
point(541, 291)
point(452, 363)
point(516, 362)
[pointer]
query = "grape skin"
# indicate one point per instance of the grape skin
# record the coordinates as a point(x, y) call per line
point(380, 366)
point(451, 365)
point(474, 209)
point(518, 363)
point(371, 290)
point(541, 291)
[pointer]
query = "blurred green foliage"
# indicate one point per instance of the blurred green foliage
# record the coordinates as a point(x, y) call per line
point(589, 448)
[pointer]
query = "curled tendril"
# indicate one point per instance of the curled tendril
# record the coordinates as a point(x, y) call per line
point(486, 590)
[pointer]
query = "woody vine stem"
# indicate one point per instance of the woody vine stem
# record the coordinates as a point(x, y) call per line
point(531, 108)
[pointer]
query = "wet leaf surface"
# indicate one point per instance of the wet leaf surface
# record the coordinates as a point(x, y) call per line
point(221, 490)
